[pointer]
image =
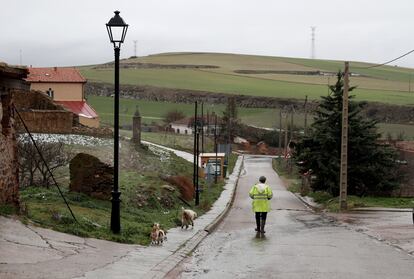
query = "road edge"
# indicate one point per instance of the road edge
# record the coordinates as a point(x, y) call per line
point(162, 269)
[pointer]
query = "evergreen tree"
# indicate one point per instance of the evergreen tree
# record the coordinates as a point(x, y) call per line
point(371, 166)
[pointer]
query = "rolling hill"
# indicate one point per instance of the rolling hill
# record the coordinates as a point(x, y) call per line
point(258, 76)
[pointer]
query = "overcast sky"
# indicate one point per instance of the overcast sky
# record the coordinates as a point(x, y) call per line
point(72, 32)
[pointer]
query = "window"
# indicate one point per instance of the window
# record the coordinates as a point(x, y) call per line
point(50, 93)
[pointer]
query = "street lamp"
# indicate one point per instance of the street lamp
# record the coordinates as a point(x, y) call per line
point(117, 29)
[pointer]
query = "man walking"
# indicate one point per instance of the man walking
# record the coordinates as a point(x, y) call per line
point(261, 194)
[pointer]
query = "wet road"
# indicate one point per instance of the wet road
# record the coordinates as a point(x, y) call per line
point(298, 243)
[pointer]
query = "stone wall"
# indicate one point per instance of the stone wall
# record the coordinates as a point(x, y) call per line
point(9, 183)
point(90, 176)
point(40, 114)
point(46, 121)
point(407, 187)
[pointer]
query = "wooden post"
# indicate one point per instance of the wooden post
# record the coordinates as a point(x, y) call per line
point(291, 123)
point(280, 131)
point(202, 127)
point(195, 150)
point(306, 116)
point(286, 133)
point(343, 180)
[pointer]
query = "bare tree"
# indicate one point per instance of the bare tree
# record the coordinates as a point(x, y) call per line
point(172, 116)
point(33, 170)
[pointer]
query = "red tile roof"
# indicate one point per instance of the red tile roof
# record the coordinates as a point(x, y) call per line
point(80, 108)
point(54, 74)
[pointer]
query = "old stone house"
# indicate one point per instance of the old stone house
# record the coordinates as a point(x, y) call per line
point(65, 86)
point(11, 78)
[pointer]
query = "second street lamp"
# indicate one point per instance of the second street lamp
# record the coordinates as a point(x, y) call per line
point(117, 29)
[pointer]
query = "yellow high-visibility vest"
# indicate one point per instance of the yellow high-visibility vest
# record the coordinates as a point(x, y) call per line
point(261, 200)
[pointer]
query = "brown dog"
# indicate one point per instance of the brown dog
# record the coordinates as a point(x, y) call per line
point(187, 217)
point(158, 236)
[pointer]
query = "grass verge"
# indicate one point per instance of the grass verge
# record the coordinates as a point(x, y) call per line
point(293, 184)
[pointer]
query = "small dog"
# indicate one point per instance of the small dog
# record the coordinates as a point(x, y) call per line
point(187, 217)
point(158, 236)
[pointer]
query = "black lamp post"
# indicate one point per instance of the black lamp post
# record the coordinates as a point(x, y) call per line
point(117, 29)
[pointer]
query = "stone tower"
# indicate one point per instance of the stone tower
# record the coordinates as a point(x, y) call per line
point(136, 127)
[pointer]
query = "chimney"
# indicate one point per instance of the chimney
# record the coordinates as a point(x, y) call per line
point(55, 68)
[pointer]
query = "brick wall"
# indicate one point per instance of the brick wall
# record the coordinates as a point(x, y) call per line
point(9, 183)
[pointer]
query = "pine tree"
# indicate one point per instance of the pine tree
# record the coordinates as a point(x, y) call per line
point(371, 166)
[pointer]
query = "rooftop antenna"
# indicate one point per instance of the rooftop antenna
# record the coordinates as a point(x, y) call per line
point(313, 42)
point(20, 57)
point(135, 48)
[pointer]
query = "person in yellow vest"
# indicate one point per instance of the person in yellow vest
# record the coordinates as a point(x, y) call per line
point(261, 194)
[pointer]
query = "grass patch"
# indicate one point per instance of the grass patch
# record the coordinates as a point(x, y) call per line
point(144, 199)
point(332, 203)
point(7, 210)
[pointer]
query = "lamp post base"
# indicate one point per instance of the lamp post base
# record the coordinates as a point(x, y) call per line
point(116, 212)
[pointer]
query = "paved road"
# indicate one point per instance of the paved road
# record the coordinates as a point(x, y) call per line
point(298, 243)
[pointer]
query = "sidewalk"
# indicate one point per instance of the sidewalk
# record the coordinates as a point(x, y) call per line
point(32, 252)
point(393, 226)
point(157, 261)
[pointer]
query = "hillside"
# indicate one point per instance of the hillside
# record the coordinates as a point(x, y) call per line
point(258, 76)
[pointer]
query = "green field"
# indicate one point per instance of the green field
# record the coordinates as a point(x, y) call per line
point(152, 111)
point(385, 84)
point(260, 117)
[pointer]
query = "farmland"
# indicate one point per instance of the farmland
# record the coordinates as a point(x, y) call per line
point(249, 75)
point(384, 84)
point(260, 117)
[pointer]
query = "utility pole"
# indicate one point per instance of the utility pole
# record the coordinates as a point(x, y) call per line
point(306, 115)
point(313, 42)
point(195, 149)
point(343, 179)
point(197, 191)
point(291, 123)
point(202, 127)
point(215, 147)
point(280, 131)
point(286, 133)
point(135, 48)
point(329, 85)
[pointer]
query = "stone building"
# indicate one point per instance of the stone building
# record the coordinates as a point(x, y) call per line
point(65, 86)
point(11, 78)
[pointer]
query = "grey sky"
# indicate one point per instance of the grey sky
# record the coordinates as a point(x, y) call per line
point(72, 32)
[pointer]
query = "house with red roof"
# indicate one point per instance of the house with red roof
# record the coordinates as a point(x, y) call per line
point(64, 86)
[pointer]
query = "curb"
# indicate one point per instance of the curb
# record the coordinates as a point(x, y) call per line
point(373, 209)
point(162, 269)
point(213, 225)
point(308, 205)
point(358, 209)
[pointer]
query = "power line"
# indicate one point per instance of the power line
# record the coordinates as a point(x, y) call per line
point(395, 59)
